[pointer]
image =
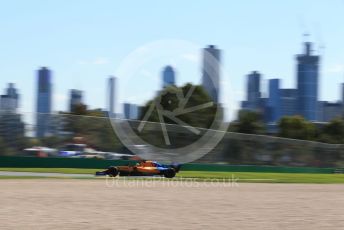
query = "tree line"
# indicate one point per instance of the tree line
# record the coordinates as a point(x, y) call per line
point(294, 127)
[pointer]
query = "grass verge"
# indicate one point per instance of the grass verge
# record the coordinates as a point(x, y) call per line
point(52, 170)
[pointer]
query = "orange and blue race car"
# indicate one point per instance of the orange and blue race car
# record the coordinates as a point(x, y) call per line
point(143, 168)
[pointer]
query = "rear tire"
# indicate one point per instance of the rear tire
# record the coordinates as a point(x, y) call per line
point(112, 171)
point(169, 173)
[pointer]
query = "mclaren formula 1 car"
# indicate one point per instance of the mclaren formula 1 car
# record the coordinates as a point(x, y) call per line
point(144, 168)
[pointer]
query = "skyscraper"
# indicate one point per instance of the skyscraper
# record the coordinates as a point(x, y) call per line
point(131, 111)
point(342, 93)
point(253, 90)
point(111, 95)
point(75, 99)
point(211, 72)
point(274, 100)
point(9, 101)
point(12, 127)
point(288, 102)
point(307, 83)
point(168, 76)
point(44, 97)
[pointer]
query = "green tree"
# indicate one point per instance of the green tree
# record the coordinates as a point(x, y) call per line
point(250, 122)
point(79, 109)
point(34, 142)
point(93, 126)
point(52, 141)
point(3, 147)
point(297, 127)
point(172, 98)
point(333, 132)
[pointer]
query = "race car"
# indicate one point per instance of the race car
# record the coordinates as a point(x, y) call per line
point(143, 168)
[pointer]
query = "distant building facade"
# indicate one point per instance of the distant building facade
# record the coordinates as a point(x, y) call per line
point(44, 102)
point(111, 95)
point(253, 99)
point(211, 72)
point(307, 83)
point(9, 102)
point(274, 101)
point(131, 111)
point(342, 93)
point(75, 99)
point(168, 77)
point(12, 128)
point(288, 102)
point(328, 111)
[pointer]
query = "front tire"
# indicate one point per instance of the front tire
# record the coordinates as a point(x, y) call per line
point(170, 173)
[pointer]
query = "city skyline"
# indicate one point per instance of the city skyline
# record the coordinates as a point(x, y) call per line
point(256, 98)
point(82, 60)
point(303, 100)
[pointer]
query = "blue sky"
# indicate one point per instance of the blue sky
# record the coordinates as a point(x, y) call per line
point(84, 42)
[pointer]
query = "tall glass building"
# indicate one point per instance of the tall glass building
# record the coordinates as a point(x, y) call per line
point(274, 100)
point(168, 76)
point(111, 94)
point(9, 101)
point(288, 102)
point(307, 83)
point(211, 72)
point(131, 111)
point(253, 90)
point(342, 92)
point(44, 97)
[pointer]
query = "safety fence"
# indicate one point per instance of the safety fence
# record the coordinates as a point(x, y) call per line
point(37, 162)
point(96, 136)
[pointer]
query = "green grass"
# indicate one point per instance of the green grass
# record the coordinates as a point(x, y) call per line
point(53, 170)
point(23, 177)
point(211, 176)
point(268, 177)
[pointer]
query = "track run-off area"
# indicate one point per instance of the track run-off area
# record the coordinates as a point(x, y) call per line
point(105, 204)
